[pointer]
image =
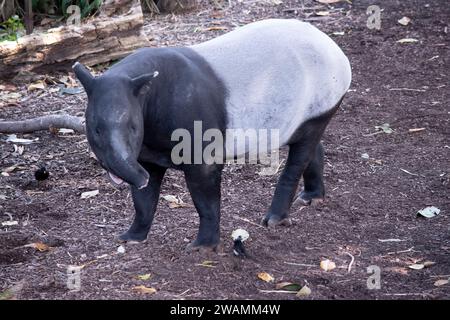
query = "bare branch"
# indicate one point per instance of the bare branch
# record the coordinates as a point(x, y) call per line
point(43, 123)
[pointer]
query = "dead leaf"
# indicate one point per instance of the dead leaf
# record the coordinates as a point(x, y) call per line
point(40, 85)
point(288, 286)
point(264, 276)
point(217, 28)
point(208, 264)
point(13, 138)
point(38, 246)
point(385, 127)
point(399, 270)
point(170, 198)
point(68, 81)
point(175, 202)
point(89, 194)
point(438, 283)
point(322, 13)
point(407, 40)
point(144, 289)
point(378, 161)
point(429, 212)
point(144, 276)
point(327, 265)
point(404, 21)
point(10, 169)
point(304, 292)
point(416, 266)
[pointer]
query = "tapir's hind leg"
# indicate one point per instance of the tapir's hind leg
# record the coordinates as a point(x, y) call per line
point(314, 188)
point(300, 155)
point(145, 201)
point(305, 158)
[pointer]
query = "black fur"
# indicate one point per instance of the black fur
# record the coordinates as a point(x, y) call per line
point(185, 90)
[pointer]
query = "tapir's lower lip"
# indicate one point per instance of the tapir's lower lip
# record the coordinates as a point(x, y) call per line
point(115, 178)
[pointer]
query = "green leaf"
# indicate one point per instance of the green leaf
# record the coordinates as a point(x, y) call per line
point(64, 5)
point(87, 10)
point(288, 286)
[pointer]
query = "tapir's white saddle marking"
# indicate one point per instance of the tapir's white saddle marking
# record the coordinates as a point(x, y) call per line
point(278, 74)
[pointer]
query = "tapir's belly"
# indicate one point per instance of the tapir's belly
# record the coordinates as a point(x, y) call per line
point(278, 74)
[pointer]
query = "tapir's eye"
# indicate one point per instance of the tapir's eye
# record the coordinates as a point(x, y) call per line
point(97, 131)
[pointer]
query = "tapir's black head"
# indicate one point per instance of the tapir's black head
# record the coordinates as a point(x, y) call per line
point(114, 123)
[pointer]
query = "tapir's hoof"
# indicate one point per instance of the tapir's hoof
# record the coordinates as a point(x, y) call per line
point(275, 221)
point(132, 238)
point(309, 198)
point(196, 247)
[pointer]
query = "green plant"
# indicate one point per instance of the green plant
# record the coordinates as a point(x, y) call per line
point(11, 29)
point(88, 9)
point(59, 7)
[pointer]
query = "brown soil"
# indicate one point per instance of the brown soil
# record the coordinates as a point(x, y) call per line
point(367, 200)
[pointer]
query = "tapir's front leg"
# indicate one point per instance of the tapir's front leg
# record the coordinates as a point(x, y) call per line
point(145, 202)
point(203, 182)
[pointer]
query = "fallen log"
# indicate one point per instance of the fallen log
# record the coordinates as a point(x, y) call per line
point(116, 32)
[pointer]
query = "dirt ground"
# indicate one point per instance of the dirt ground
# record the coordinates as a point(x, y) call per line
point(376, 182)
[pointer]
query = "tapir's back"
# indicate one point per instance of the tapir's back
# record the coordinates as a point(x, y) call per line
point(278, 73)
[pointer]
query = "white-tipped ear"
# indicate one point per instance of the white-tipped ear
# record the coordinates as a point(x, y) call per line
point(84, 76)
point(141, 83)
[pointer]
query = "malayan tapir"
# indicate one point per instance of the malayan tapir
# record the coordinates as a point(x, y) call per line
point(280, 74)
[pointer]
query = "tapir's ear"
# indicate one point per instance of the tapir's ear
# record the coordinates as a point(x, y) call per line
point(141, 84)
point(84, 76)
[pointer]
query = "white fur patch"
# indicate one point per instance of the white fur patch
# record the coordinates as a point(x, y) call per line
point(278, 73)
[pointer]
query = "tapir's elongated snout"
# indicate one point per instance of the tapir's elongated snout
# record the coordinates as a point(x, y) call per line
point(120, 158)
point(130, 171)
